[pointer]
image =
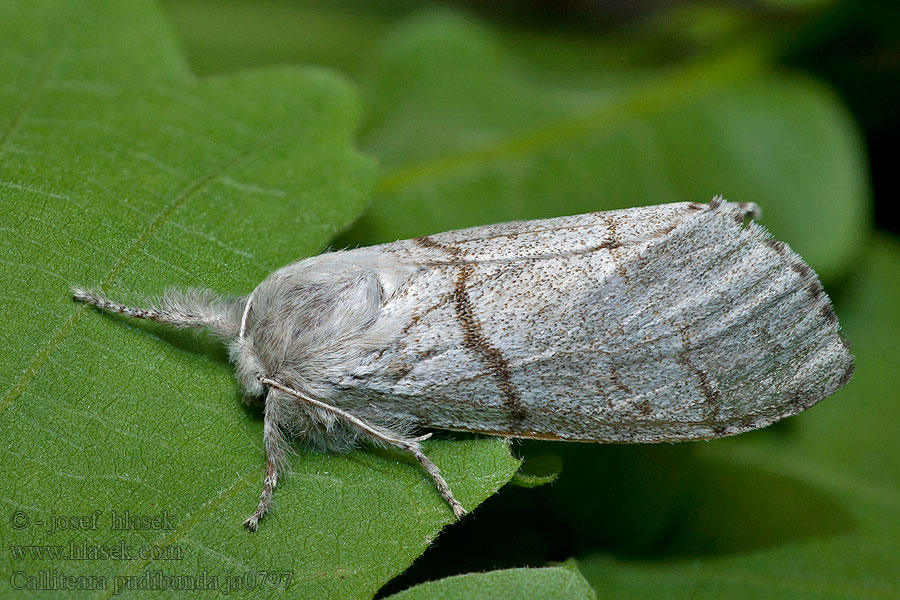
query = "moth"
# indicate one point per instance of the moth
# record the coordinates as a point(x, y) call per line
point(675, 322)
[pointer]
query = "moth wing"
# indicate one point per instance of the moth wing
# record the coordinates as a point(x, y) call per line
point(670, 322)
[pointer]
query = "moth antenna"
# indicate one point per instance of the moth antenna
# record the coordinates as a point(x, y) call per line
point(384, 436)
point(181, 309)
point(243, 332)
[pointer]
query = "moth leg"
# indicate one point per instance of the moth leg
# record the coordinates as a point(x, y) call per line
point(412, 446)
point(384, 436)
point(252, 522)
point(275, 457)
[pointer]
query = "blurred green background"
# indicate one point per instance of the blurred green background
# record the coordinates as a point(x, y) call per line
point(484, 112)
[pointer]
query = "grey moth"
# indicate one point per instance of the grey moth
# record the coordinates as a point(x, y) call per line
point(661, 323)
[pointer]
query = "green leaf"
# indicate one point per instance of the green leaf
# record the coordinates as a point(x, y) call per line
point(120, 169)
point(538, 470)
point(537, 584)
point(812, 511)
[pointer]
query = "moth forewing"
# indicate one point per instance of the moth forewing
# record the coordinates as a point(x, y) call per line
point(659, 323)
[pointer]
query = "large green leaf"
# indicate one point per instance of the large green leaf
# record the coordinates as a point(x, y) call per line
point(535, 584)
point(119, 169)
